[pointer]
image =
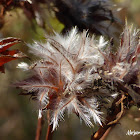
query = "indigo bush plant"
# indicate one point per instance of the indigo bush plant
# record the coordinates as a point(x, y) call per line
point(76, 71)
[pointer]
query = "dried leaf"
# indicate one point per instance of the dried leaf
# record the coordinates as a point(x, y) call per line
point(9, 55)
point(7, 43)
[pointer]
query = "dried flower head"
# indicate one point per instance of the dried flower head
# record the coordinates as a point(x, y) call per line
point(77, 73)
point(98, 16)
point(123, 66)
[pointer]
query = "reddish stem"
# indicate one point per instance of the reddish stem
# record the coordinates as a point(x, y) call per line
point(49, 134)
point(105, 129)
point(39, 128)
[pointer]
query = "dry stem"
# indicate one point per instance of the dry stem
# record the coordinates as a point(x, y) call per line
point(49, 132)
point(39, 126)
point(112, 119)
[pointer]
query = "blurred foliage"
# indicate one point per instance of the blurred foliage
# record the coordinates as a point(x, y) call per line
point(18, 115)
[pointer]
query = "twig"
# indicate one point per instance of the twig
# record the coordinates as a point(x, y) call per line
point(49, 132)
point(112, 119)
point(119, 115)
point(39, 125)
point(106, 133)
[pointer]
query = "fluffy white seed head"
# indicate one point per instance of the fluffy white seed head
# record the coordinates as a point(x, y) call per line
point(76, 74)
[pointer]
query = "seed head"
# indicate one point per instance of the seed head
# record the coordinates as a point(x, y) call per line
point(77, 73)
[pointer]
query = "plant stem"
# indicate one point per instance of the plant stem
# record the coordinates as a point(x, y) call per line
point(49, 134)
point(39, 125)
point(112, 119)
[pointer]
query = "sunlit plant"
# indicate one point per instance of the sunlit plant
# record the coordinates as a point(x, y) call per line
point(77, 73)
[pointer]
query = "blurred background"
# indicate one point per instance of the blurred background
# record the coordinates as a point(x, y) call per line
point(18, 114)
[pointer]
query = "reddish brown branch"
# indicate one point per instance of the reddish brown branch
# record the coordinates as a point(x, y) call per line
point(39, 128)
point(106, 133)
point(49, 132)
point(111, 119)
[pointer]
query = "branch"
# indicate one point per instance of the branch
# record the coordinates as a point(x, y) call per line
point(49, 134)
point(39, 125)
point(112, 119)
